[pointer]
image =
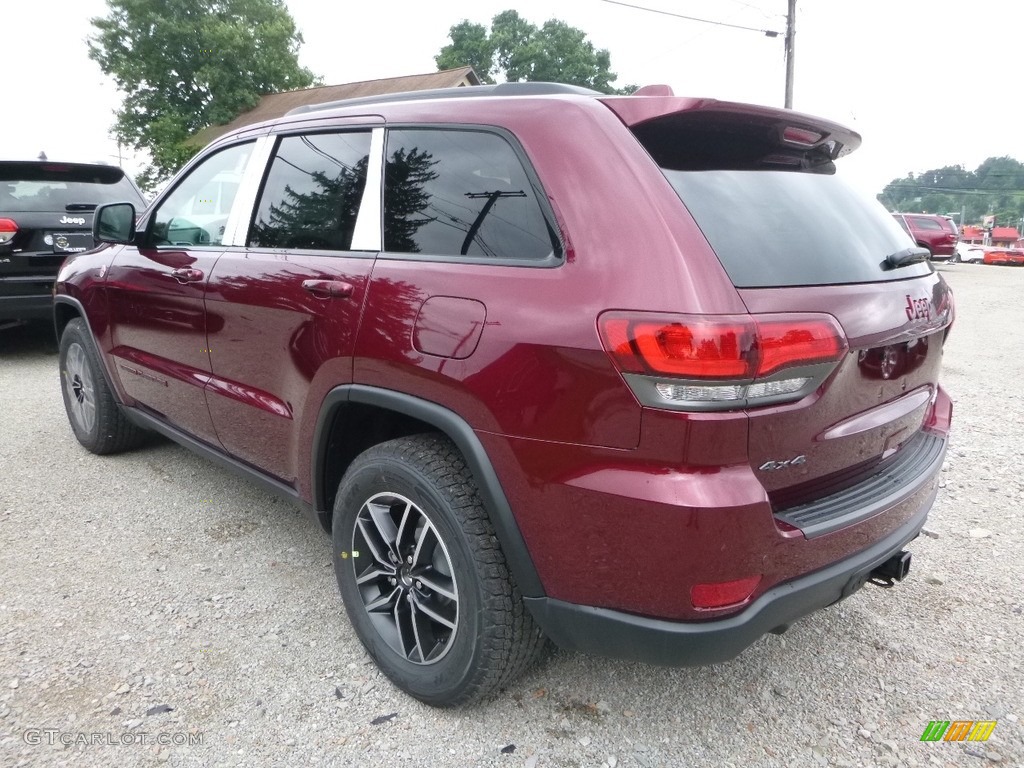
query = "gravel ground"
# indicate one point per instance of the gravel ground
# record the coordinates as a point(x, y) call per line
point(154, 594)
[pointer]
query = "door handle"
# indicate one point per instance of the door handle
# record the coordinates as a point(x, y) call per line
point(328, 289)
point(187, 275)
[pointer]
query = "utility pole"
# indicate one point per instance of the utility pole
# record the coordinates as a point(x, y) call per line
point(790, 51)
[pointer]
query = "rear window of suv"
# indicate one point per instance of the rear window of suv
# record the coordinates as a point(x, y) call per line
point(785, 228)
point(775, 214)
point(55, 186)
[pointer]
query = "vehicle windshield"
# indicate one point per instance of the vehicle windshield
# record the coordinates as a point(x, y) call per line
point(786, 228)
point(56, 186)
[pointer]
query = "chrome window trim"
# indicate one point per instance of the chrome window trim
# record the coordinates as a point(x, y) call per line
point(237, 228)
point(367, 235)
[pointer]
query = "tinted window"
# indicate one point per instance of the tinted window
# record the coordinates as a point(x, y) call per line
point(54, 186)
point(921, 223)
point(902, 221)
point(461, 193)
point(776, 228)
point(312, 193)
point(196, 211)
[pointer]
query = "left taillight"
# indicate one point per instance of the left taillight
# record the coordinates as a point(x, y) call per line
point(8, 229)
point(723, 361)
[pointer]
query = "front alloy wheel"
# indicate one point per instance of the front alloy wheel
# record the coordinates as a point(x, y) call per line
point(95, 417)
point(81, 391)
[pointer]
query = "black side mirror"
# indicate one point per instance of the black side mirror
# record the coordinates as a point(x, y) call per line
point(114, 223)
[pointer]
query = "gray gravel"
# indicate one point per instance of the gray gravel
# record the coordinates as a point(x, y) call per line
point(153, 593)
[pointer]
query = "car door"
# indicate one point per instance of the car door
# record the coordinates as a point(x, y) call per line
point(283, 312)
point(158, 319)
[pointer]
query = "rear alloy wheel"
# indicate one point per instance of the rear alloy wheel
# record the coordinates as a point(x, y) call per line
point(95, 418)
point(423, 579)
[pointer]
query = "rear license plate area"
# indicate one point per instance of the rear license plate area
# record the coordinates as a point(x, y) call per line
point(72, 242)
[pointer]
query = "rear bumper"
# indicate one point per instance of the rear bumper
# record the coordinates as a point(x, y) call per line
point(621, 635)
point(30, 307)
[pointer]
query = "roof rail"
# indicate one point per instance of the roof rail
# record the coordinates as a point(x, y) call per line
point(457, 92)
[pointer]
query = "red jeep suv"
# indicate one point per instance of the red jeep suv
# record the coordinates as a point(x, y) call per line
point(939, 234)
point(639, 374)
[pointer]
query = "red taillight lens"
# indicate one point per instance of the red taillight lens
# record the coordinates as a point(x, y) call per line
point(723, 347)
point(8, 229)
point(695, 348)
point(786, 343)
point(723, 593)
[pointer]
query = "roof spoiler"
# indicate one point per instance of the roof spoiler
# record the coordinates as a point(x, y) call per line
point(791, 131)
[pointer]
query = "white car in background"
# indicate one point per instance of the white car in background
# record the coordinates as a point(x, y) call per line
point(969, 253)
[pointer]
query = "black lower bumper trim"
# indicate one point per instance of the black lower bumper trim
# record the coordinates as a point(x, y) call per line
point(26, 307)
point(621, 635)
point(913, 468)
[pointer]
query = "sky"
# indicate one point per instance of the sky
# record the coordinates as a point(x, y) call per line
point(927, 83)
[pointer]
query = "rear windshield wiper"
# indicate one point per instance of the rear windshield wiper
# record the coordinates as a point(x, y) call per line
point(906, 256)
point(80, 207)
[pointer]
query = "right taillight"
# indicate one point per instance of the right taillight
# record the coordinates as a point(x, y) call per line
point(723, 361)
point(8, 229)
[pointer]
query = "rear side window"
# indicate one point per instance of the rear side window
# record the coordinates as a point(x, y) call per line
point(461, 193)
point(311, 196)
point(56, 186)
point(922, 223)
point(790, 228)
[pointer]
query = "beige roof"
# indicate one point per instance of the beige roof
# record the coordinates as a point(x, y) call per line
point(276, 105)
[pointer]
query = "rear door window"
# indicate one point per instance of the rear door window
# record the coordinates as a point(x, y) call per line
point(462, 193)
point(923, 223)
point(311, 196)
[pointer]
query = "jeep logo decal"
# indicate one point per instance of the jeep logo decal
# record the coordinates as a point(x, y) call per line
point(917, 309)
point(71, 220)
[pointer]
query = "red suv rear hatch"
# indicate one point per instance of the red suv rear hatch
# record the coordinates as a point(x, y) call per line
point(805, 252)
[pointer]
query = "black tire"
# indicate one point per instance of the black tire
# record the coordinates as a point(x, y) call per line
point(445, 652)
point(95, 418)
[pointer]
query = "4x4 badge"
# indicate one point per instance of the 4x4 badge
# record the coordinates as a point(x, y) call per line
point(770, 466)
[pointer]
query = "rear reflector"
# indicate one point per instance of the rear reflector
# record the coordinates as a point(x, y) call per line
point(722, 593)
point(8, 229)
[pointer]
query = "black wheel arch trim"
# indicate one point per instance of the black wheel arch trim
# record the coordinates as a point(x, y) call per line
point(459, 432)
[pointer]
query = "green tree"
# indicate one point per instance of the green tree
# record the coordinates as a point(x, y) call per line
point(994, 187)
point(519, 51)
point(186, 64)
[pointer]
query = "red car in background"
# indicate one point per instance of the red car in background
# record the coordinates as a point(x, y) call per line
point(1004, 256)
point(938, 234)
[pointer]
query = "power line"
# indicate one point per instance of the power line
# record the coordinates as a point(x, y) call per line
point(767, 32)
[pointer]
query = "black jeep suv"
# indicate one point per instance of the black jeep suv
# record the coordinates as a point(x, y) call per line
point(46, 213)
